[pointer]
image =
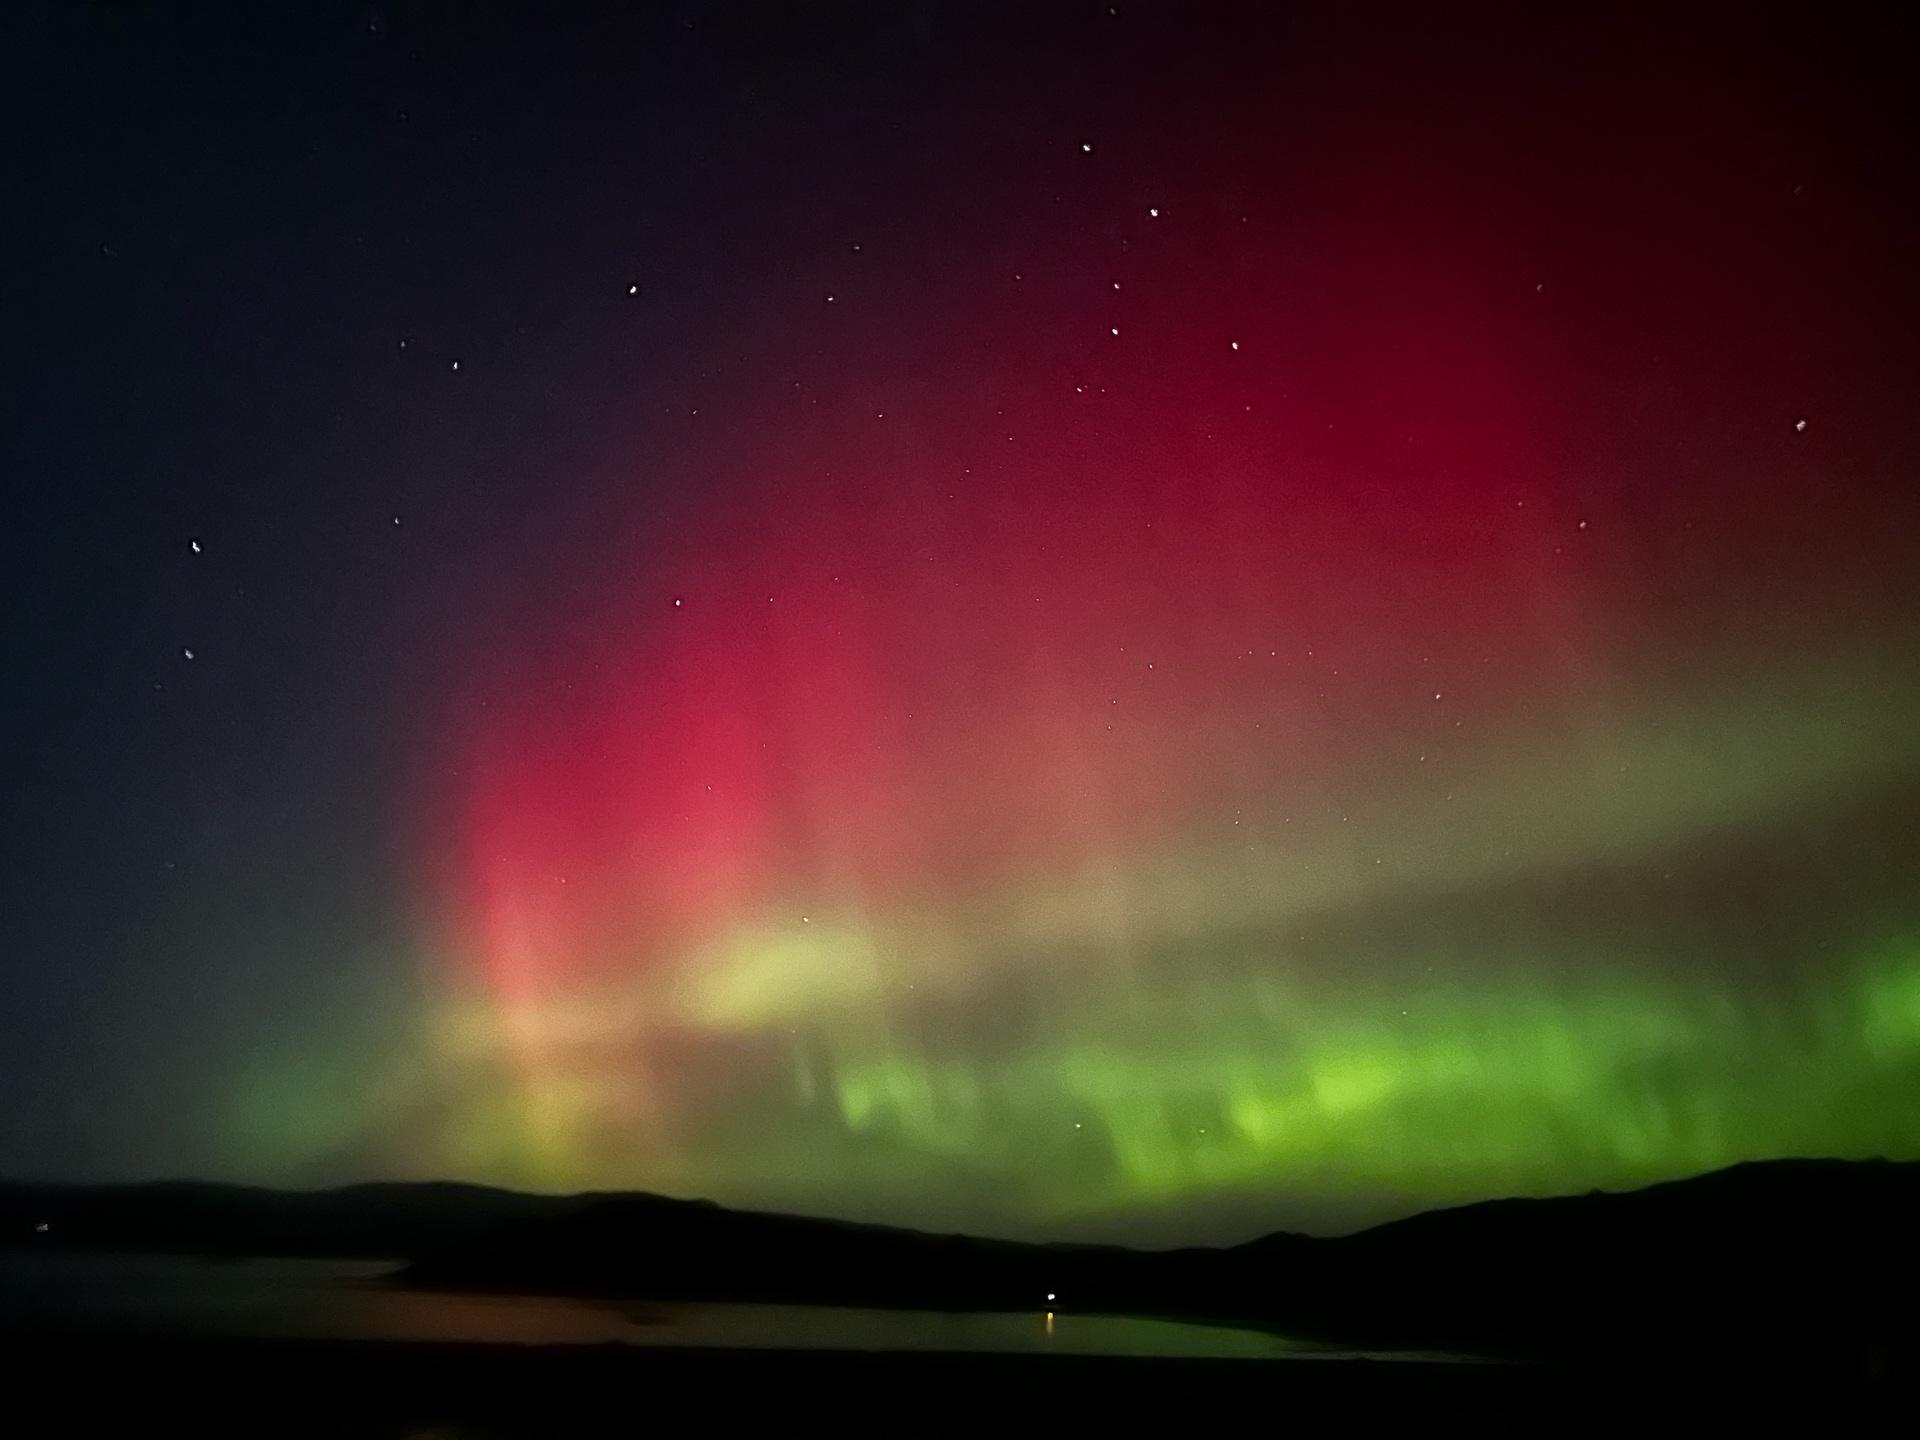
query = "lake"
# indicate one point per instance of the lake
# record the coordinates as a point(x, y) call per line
point(353, 1300)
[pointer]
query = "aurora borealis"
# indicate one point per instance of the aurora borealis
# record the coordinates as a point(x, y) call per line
point(1148, 625)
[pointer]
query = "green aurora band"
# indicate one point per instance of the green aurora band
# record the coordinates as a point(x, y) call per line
point(1472, 982)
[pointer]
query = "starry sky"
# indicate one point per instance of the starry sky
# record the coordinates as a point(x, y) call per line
point(1145, 622)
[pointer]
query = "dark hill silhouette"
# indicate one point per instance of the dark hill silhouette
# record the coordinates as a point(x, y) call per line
point(192, 1217)
point(1810, 1257)
point(1816, 1255)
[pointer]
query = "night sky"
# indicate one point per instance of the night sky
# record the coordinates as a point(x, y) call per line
point(1142, 621)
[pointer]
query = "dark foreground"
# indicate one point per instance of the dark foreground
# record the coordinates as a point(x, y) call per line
point(90, 1386)
point(1754, 1300)
point(1786, 1256)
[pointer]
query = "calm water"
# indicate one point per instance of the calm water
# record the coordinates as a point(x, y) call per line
point(328, 1299)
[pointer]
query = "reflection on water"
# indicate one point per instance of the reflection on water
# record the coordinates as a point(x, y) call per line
point(300, 1299)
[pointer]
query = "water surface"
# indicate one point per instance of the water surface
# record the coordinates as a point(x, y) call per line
point(355, 1300)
